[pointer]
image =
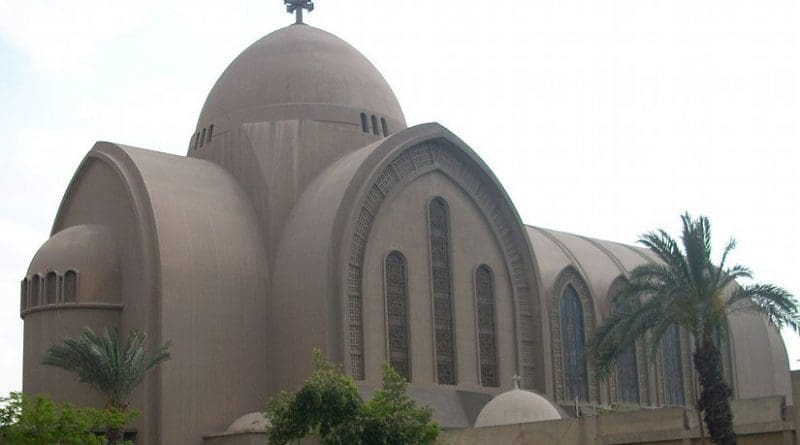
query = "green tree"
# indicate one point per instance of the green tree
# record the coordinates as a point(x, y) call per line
point(109, 366)
point(392, 418)
point(39, 421)
point(687, 289)
point(328, 406)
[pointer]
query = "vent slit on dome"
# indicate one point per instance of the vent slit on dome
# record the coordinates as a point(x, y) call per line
point(375, 129)
point(385, 127)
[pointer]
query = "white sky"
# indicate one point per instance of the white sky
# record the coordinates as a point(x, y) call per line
point(606, 118)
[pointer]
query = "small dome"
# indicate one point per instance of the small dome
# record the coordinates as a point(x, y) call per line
point(516, 406)
point(249, 423)
point(299, 72)
point(90, 252)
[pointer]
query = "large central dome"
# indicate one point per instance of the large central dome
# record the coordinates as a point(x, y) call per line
point(299, 72)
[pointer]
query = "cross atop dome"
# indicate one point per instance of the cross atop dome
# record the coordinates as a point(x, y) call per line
point(297, 6)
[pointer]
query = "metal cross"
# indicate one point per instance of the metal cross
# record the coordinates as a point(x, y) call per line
point(297, 7)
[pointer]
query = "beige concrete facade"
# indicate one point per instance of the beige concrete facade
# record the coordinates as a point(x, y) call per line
point(272, 237)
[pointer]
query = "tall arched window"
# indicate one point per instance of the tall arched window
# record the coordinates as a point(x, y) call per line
point(487, 333)
point(70, 286)
point(573, 341)
point(396, 286)
point(627, 376)
point(627, 366)
point(50, 286)
point(439, 224)
point(673, 366)
point(35, 291)
point(23, 298)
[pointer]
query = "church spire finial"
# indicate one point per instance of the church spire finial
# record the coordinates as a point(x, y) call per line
point(516, 378)
point(297, 6)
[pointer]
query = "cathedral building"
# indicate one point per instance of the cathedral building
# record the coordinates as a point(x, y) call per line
point(308, 214)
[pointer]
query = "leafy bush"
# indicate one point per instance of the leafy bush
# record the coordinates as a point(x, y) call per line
point(391, 417)
point(37, 420)
point(328, 406)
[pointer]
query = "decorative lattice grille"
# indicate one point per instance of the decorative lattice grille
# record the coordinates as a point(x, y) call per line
point(397, 314)
point(487, 334)
point(442, 293)
point(673, 366)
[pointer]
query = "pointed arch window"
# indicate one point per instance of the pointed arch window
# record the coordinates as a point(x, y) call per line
point(439, 225)
point(573, 340)
point(70, 286)
point(396, 287)
point(487, 332)
point(628, 376)
point(672, 359)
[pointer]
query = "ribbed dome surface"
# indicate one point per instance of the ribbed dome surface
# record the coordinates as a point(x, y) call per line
point(516, 406)
point(299, 72)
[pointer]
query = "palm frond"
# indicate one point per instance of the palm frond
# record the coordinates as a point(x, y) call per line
point(104, 363)
point(777, 304)
point(687, 289)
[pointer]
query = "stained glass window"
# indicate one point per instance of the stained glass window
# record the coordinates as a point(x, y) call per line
point(573, 340)
point(673, 366)
point(442, 292)
point(487, 334)
point(397, 314)
point(627, 370)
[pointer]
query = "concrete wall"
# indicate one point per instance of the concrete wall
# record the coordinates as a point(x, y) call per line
point(757, 421)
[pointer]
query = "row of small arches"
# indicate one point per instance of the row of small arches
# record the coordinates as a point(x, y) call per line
point(397, 308)
point(378, 127)
point(52, 288)
point(201, 137)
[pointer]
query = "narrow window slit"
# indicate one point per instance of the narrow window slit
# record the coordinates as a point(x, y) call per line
point(385, 127)
point(375, 129)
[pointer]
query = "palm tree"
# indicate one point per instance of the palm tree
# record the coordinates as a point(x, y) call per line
point(110, 367)
point(685, 288)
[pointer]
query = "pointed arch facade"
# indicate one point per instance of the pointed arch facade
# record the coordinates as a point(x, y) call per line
point(396, 162)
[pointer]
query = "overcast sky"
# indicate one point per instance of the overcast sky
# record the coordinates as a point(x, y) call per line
point(606, 118)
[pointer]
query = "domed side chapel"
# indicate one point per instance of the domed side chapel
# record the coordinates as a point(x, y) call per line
point(306, 214)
